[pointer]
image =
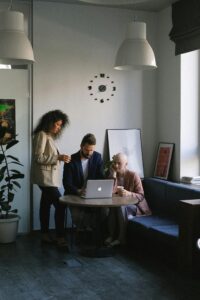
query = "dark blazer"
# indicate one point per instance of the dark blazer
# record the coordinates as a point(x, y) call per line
point(73, 173)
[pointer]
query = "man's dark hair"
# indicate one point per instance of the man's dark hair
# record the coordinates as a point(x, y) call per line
point(88, 139)
point(47, 121)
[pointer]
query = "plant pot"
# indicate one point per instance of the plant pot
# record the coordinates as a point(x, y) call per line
point(9, 228)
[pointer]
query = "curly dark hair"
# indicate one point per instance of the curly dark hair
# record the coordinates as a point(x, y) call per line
point(47, 121)
point(88, 139)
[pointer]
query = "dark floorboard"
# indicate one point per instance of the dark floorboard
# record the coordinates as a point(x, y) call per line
point(29, 270)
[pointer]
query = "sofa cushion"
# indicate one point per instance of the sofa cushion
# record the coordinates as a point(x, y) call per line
point(149, 221)
point(165, 233)
point(143, 223)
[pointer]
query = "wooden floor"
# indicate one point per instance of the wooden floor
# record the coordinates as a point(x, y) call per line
point(29, 270)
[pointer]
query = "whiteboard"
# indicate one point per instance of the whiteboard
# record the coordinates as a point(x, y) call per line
point(127, 141)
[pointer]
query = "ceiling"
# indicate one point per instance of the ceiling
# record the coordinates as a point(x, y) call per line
point(148, 5)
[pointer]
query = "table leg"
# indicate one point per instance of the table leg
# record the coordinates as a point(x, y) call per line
point(71, 229)
point(98, 250)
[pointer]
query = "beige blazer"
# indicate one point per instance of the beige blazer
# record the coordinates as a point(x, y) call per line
point(45, 168)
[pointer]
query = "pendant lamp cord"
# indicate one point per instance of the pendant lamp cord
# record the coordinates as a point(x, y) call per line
point(135, 18)
point(10, 6)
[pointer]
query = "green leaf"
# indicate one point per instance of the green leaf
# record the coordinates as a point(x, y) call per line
point(17, 184)
point(1, 177)
point(5, 186)
point(15, 171)
point(2, 200)
point(11, 144)
point(1, 158)
point(9, 176)
point(5, 206)
point(13, 157)
point(16, 176)
point(2, 132)
point(9, 185)
point(2, 170)
point(10, 196)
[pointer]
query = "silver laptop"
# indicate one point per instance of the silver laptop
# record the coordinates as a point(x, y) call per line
point(99, 188)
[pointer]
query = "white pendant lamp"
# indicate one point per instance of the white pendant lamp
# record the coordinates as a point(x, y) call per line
point(112, 2)
point(135, 51)
point(15, 48)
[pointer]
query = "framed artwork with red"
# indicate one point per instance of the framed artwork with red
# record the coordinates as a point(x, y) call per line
point(163, 160)
point(7, 120)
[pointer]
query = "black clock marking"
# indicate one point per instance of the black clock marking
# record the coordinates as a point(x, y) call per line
point(102, 88)
point(102, 85)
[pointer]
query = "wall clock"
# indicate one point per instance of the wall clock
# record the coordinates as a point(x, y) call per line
point(102, 88)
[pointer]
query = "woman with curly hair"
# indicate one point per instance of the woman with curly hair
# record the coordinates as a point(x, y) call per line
point(45, 172)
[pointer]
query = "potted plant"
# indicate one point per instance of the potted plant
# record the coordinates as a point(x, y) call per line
point(9, 183)
point(107, 166)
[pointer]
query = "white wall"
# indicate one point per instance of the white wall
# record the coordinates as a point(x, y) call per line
point(73, 43)
point(168, 90)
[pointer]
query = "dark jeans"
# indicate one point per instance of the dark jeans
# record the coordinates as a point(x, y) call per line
point(50, 195)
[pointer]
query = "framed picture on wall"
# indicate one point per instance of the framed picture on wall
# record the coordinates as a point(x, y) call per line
point(163, 160)
point(7, 120)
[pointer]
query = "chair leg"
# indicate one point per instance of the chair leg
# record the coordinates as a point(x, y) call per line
point(72, 234)
point(65, 221)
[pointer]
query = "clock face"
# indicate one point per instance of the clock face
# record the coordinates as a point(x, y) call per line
point(101, 88)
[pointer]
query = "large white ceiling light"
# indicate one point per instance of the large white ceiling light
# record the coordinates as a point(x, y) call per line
point(154, 5)
point(113, 2)
point(135, 51)
point(15, 48)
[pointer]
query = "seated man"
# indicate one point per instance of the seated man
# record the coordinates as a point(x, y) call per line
point(127, 184)
point(85, 164)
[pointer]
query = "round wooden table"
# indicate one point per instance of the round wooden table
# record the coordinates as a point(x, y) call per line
point(115, 201)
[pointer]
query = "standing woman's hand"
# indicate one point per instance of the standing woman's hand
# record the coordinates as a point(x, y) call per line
point(64, 157)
